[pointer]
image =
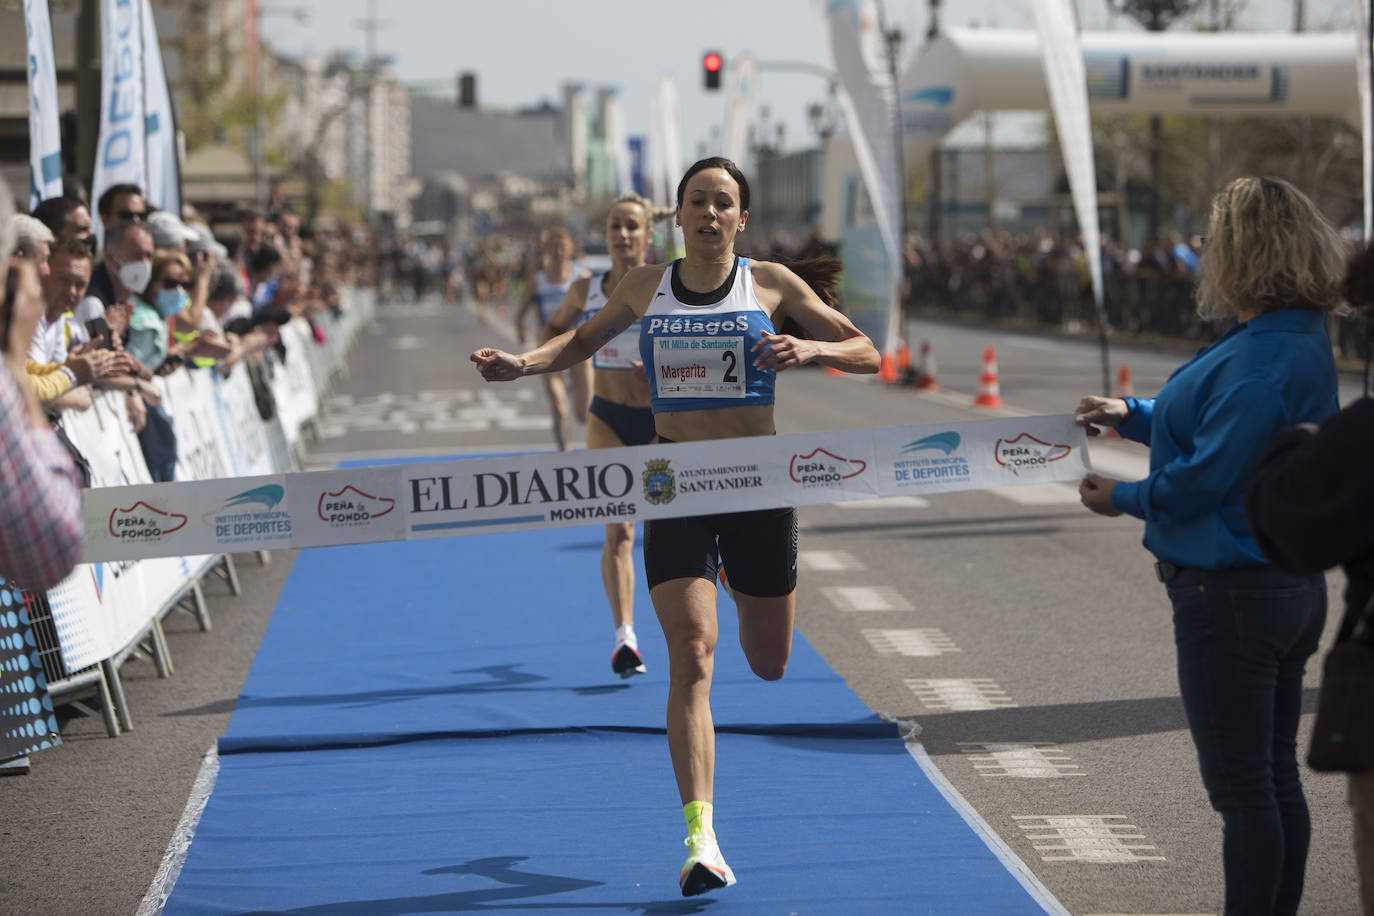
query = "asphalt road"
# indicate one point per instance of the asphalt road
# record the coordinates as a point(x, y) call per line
point(1025, 638)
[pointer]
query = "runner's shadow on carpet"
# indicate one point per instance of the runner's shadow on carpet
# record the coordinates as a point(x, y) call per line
point(521, 887)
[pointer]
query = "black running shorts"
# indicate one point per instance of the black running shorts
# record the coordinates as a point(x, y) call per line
point(759, 550)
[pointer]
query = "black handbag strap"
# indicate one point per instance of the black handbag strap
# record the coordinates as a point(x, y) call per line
point(1364, 624)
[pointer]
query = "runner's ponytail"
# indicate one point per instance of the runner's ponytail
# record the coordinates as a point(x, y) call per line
point(821, 273)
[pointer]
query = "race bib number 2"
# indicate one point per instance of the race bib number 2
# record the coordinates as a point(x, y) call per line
point(699, 367)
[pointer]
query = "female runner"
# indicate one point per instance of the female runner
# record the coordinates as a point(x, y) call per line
point(546, 290)
point(745, 301)
point(619, 414)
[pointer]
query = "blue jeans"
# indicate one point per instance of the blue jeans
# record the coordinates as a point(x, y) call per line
point(1243, 639)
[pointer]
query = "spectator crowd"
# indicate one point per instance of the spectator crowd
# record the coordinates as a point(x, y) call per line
point(110, 299)
point(1042, 278)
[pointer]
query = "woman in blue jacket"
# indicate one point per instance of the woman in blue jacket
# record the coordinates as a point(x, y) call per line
point(1244, 629)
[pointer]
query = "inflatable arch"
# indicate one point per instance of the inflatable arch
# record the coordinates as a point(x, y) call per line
point(965, 70)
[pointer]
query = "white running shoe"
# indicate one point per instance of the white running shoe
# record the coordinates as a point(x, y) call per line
point(626, 660)
point(705, 868)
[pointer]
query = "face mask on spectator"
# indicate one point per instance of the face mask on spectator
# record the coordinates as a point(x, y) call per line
point(171, 301)
point(135, 275)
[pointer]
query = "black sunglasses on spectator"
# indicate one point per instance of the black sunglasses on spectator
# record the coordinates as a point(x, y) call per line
point(171, 283)
point(132, 216)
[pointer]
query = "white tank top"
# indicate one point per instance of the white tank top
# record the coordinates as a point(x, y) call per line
point(549, 295)
point(697, 348)
point(623, 351)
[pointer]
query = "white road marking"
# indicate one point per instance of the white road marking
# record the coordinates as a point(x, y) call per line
point(1096, 838)
point(1122, 460)
point(169, 869)
point(1020, 761)
point(436, 411)
point(921, 643)
point(890, 502)
point(999, 848)
point(857, 598)
point(412, 310)
point(1041, 494)
point(828, 561)
point(959, 694)
point(965, 401)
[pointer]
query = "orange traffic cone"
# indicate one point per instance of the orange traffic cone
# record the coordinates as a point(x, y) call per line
point(887, 372)
point(903, 363)
point(989, 394)
point(925, 375)
point(1124, 386)
point(1124, 389)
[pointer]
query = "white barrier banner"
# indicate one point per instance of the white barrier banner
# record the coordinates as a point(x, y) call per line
point(511, 493)
point(240, 425)
point(45, 132)
point(105, 604)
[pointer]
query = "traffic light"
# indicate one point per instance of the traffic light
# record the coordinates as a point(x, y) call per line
point(711, 65)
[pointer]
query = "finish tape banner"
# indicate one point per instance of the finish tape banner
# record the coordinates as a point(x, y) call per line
point(542, 490)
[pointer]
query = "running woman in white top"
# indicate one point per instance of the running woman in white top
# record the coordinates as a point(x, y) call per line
point(741, 303)
point(619, 414)
point(543, 294)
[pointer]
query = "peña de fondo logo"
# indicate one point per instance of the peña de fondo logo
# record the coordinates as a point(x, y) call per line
point(142, 522)
point(1026, 452)
point(266, 496)
point(351, 506)
point(820, 468)
point(660, 483)
point(945, 442)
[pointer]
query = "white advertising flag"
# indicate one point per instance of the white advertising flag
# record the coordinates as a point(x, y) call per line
point(163, 189)
point(1362, 67)
point(45, 132)
point(668, 121)
point(739, 108)
point(613, 127)
point(120, 156)
point(1066, 80)
point(867, 95)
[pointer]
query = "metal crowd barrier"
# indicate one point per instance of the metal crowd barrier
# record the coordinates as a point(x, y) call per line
point(101, 615)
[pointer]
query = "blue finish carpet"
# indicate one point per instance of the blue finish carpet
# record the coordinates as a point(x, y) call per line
point(433, 727)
